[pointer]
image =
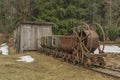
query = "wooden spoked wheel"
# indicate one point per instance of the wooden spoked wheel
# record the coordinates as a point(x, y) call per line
point(80, 48)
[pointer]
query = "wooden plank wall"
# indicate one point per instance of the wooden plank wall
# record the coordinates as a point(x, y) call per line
point(44, 30)
point(27, 37)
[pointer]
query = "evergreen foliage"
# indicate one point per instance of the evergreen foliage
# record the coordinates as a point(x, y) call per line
point(112, 33)
point(65, 14)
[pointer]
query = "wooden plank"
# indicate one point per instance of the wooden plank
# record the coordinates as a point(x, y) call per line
point(33, 41)
point(27, 36)
point(38, 36)
point(22, 39)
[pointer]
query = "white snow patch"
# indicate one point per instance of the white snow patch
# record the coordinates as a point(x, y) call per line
point(4, 49)
point(27, 59)
point(109, 49)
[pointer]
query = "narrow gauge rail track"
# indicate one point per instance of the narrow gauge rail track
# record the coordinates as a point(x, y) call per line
point(103, 70)
point(107, 71)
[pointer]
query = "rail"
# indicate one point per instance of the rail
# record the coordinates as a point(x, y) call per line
point(108, 71)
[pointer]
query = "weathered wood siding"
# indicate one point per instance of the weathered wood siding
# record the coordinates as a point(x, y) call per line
point(27, 36)
point(43, 31)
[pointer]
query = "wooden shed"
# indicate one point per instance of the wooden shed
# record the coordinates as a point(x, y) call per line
point(27, 35)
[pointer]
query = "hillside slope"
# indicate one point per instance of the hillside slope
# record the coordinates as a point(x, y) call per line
point(43, 68)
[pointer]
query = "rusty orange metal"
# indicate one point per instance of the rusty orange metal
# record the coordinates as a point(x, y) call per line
point(92, 40)
point(68, 42)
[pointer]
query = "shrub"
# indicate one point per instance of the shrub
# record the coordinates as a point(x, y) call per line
point(100, 34)
point(112, 33)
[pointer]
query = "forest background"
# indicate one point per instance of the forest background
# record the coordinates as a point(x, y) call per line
point(65, 14)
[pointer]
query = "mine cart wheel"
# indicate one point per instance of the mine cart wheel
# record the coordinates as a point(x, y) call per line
point(47, 51)
point(102, 64)
point(42, 50)
point(68, 58)
point(101, 61)
point(74, 61)
point(56, 54)
point(87, 62)
point(53, 53)
point(64, 59)
point(60, 54)
point(64, 56)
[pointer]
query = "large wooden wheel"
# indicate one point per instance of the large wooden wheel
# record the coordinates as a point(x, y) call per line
point(80, 49)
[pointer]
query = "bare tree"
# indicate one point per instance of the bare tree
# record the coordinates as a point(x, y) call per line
point(15, 11)
point(24, 8)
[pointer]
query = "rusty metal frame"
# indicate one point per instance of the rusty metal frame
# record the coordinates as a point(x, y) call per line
point(103, 33)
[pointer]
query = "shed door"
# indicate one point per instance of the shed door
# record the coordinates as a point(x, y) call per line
point(29, 38)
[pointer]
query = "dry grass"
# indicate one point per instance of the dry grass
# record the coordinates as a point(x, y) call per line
point(113, 60)
point(43, 68)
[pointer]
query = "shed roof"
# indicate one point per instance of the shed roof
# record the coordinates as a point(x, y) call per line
point(38, 23)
